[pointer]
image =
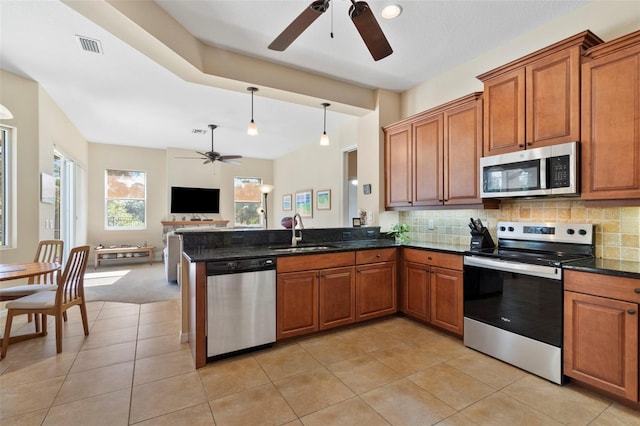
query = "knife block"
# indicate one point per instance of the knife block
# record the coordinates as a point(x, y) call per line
point(481, 239)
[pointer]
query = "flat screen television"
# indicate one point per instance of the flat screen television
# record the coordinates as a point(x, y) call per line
point(195, 200)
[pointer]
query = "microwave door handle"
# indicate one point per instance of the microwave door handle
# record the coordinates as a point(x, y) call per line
point(543, 173)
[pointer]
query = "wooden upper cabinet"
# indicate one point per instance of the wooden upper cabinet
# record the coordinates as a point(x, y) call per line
point(398, 166)
point(611, 120)
point(432, 158)
point(462, 149)
point(427, 162)
point(534, 101)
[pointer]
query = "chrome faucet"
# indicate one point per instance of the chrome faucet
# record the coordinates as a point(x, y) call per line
point(294, 238)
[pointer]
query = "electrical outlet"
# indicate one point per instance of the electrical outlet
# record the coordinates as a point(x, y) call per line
point(430, 225)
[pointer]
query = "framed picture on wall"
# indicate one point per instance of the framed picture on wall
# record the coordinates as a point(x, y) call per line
point(323, 199)
point(304, 203)
point(286, 202)
point(47, 188)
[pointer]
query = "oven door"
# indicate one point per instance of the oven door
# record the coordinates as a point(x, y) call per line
point(521, 298)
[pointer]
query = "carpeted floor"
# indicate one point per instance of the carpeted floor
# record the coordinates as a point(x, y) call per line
point(129, 283)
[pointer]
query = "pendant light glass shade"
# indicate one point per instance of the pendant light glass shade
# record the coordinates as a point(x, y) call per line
point(324, 139)
point(5, 114)
point(252, 129)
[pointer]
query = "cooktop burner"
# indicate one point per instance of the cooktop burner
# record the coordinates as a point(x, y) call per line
point(549, 244)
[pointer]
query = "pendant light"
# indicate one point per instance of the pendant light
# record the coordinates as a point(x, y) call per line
point(252, 129)
point(324, 139)
point(5, 114)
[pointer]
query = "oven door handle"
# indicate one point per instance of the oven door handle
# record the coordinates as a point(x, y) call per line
point(518, 268)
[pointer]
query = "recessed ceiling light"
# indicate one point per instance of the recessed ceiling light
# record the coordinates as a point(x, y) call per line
point(391, 11)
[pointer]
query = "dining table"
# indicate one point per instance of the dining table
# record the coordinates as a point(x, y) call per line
point(14, 271)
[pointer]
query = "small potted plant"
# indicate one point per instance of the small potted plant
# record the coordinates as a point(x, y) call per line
point(400, 231)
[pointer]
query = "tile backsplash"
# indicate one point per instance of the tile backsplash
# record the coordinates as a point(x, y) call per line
point(617, 228)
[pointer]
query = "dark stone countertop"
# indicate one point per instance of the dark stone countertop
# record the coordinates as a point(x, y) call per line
point(246, 252)
point(618, 268)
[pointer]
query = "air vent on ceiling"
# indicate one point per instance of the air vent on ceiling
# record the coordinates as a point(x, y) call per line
point(89, 44)
point(199, 131)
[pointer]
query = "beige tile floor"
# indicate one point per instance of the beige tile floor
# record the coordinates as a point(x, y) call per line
point(131, 369)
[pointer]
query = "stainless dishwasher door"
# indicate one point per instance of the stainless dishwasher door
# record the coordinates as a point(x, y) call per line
point(241, 311)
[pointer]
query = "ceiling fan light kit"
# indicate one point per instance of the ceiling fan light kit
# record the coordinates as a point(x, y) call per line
point(324, 139)
point(391, 11)
point(252, 129)
point(359, 12)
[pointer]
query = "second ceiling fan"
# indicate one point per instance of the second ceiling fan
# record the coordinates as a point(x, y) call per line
point(360, 14)
point(213, 156)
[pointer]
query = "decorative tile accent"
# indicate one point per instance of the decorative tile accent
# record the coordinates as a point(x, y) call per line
point(617, 228)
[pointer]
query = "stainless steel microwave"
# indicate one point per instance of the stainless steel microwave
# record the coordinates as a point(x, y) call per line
point(549, 170)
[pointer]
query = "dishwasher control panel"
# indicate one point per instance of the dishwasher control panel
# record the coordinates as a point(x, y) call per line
point(240, 265)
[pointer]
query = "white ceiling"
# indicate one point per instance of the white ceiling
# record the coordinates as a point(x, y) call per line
point(123, 97)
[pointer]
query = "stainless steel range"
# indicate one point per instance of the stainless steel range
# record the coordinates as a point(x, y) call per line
point(513, 294)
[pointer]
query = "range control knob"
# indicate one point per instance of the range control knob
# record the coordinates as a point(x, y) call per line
point(582, 232)
point(511, 229)
point(571, 231)
point(502, 228)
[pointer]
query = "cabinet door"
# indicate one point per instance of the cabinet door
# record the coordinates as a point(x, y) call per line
point(337, 297)
point(415, 291)
point(297, 304)
point(397, 160)
point(446, 299)
point(428, 162)
point(462, 152)
point(611, 126)
point(553, 99)
point(504, 113)
point(376, 291)
point(601, 343)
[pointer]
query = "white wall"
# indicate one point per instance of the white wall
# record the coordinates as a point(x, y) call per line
point(606, 19)
point(39, 127)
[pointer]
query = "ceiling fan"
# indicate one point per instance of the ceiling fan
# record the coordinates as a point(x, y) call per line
point(213, 156)
point(360, 14)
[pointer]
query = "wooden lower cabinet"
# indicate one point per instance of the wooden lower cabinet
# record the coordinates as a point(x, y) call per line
point(337, 290)
point(415, 302)
point(601, 333)
point(433, 293)
point(297, 304)
point(376, 290)
point(447, 299)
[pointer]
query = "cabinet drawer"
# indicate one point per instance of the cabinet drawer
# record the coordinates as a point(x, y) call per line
point(375, 255)
point(443, 260)
point(620, 288)
point(315, 261)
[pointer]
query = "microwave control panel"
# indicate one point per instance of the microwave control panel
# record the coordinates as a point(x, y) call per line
point(559, 170)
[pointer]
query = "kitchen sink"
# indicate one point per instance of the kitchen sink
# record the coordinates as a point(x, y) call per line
point(297, 249)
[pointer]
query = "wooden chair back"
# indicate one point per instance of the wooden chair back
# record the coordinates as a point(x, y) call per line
point(48, 251)
point(71, 281)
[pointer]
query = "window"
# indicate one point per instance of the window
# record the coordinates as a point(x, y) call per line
point(5, 186)
point(247, 201)
point(125, 199)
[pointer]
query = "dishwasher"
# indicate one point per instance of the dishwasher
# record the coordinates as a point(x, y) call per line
point(241, 305)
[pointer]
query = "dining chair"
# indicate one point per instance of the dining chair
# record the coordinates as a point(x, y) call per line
point(48, 251)
point(70, 292)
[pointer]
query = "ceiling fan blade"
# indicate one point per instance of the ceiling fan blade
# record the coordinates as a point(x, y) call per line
point(230, 157)
point(228, 161)
point(369, 30)
point(301, 23)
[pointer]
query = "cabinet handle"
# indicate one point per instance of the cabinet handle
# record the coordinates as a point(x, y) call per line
point(637, 290)
point(429, 258)
point(378, 255)
point(631, 311)
point(520, 145)
point(529, 143)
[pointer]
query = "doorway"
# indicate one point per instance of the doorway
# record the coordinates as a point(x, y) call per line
point(350, 186)
point(64, 171)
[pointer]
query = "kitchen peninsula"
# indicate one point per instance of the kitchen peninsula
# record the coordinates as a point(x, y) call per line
point(356, 269)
